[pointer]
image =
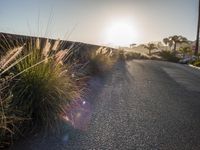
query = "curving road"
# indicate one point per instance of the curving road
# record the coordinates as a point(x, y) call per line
point(141, 105)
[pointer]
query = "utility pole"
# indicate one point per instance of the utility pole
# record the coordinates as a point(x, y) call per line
point(197, 38)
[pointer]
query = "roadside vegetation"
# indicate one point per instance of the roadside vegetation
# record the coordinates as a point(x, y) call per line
point(177, 49)
point(172, 41)
point(39, 80)
point(150, 47)
point(101, 61)
point(196, 62)
point(168, 56)
point(134, 55)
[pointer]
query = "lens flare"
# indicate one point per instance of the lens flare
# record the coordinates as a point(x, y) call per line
point(79, 114)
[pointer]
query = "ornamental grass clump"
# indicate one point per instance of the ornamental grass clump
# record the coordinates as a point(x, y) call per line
point(101, 60)
point(41, 84)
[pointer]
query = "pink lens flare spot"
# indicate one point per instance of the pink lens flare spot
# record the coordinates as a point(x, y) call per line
point(79, 114)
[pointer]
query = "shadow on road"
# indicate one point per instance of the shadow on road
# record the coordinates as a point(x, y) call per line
point(70, 132)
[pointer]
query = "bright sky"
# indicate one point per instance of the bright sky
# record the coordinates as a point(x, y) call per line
point(107, 22)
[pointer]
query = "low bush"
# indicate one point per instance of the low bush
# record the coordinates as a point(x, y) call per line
point(40, 88)
point(134, 55)
point(131, 55)
point(121, 54)
point(168, 56)
point(100, 61)
point(197, 63)
point(38, 82)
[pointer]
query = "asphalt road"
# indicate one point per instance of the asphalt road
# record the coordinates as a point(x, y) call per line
point(140, 105)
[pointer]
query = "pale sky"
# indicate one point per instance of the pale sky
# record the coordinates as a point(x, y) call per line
point(107, 22)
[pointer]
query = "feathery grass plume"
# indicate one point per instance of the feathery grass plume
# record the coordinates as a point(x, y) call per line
point(10, 57)
point(46, 48)
point(111, 53)
point(99, 50)
point(104, 51)
point(37, 44)
point(56, 45)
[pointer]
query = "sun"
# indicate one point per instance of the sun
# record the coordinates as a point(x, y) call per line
point(121, 33)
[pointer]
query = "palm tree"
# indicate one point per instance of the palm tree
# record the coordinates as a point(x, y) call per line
point(174, 40)
point(150, 47)
point(168, 42)
point(197, 38)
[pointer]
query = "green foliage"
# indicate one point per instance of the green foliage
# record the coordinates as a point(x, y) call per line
point(43, 83)
point(197, 63)
point(169, 56)
point(174, 40)
point(185, 50)
point(134, 55)
point(43, 86)
point(150, 47)
point(38, 90)
point(100, 61)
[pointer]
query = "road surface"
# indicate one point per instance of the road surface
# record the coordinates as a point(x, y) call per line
point(140, 105)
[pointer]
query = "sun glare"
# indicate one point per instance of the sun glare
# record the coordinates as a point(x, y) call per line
point(121, 33)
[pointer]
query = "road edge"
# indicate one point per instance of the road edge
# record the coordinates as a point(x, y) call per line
point(192, 66)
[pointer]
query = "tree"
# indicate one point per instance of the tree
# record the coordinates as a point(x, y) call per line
point(185, 50)
point(197, 38)
point(174, 40)
point(168, 42)
point(150, 47)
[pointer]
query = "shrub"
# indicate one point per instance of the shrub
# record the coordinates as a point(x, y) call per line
point(185, 51)
point(168, 56)
point(121, 55)
point(100, 61)
point(197, 63)
point(41, 85)
point(134, 55)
